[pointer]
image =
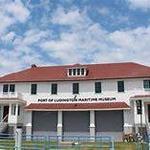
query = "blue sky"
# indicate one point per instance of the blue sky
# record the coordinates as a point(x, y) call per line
point(55, 32)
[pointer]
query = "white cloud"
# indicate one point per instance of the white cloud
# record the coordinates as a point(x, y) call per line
point(84, 42)
point(17, 10)
point(142, 4)
point(31, 37)
point(8, 37)
point(72, 17)
point(103, 11)
point(89, 42)
point(12, 12)
point(7, 21)
point(23, 52)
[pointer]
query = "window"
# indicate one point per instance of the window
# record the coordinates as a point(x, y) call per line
point(5, 88)
point(70, 72)
point(75, 88)
point(74, 72)
point(12, 88)
point(97, 87)
point(82, 71)
point(146, 84)
point(33, 88)
point(53, 88)
point(120, 86)
point(78, 71)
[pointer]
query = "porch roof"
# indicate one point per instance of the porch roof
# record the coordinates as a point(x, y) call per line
point(76, 106)
point(11, 101)
point(141, 97)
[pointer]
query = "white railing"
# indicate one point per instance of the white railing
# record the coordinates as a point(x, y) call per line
point(10, 95)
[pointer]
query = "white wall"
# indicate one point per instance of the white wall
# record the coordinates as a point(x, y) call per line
point(109, 89)
point(87, 89)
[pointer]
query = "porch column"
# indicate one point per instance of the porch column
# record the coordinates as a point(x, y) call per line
point(143, 114)
point(16, 113)
point(92, 124)
point(59, 125)
point(9, 113)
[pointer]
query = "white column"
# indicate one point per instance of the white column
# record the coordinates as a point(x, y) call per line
point(9, 113)
point(92, 124)
point(28, 123)
point(143, 114)
point(59, 125)
point(16, 113)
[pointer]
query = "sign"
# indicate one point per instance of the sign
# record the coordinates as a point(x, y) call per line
point(75, 99)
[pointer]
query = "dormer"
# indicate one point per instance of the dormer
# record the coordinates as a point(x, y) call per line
point(77, 71)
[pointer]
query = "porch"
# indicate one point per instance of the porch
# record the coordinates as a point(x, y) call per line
point(11, 110)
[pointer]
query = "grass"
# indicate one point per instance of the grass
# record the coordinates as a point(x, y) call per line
point(37, 145)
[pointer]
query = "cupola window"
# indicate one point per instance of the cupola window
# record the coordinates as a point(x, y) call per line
point(77, 71)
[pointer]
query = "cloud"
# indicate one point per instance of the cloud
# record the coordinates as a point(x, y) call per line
point(87, 41)
point(12, 12)
point(103, 11)
point(142, 4)
point(24, 51)
point(72, 17)
point(75, 39)
point(18, 11)
point(8, 37)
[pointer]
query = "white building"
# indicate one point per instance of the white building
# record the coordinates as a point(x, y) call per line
point(94, 99)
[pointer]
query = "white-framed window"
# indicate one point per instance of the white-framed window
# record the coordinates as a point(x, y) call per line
point(73, 72)
point(8, 88)
point(146, 84)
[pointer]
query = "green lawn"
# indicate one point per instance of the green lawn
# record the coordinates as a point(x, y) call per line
point(30, 145)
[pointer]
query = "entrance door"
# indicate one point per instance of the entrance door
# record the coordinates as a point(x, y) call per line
point(5, 113)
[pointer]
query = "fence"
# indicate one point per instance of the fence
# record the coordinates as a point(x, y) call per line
point(33, 142)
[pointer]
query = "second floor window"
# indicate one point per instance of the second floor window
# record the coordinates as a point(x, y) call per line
point(33, 89)
point(12, 88)
point(54, 88)
point(146, 84)
point(120, 86)
point(75, 88)
point(97, 87)
point(8, 88)
point(5, 88)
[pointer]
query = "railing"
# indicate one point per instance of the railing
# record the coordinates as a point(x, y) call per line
point(3, 124)
point(10, 95)
point(37, 142)
point(4, 119)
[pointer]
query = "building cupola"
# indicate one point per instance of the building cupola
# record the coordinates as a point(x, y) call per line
point(76, 70)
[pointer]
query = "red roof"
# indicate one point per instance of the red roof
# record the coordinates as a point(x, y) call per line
point(77, 106)
point(95, 71)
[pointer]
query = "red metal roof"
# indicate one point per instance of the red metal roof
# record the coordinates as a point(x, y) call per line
point(77, 106)
point(95, 71)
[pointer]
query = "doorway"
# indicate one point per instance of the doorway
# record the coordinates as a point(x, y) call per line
point(5, 113)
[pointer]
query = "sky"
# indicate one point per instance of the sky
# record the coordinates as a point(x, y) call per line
point(58, 32)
